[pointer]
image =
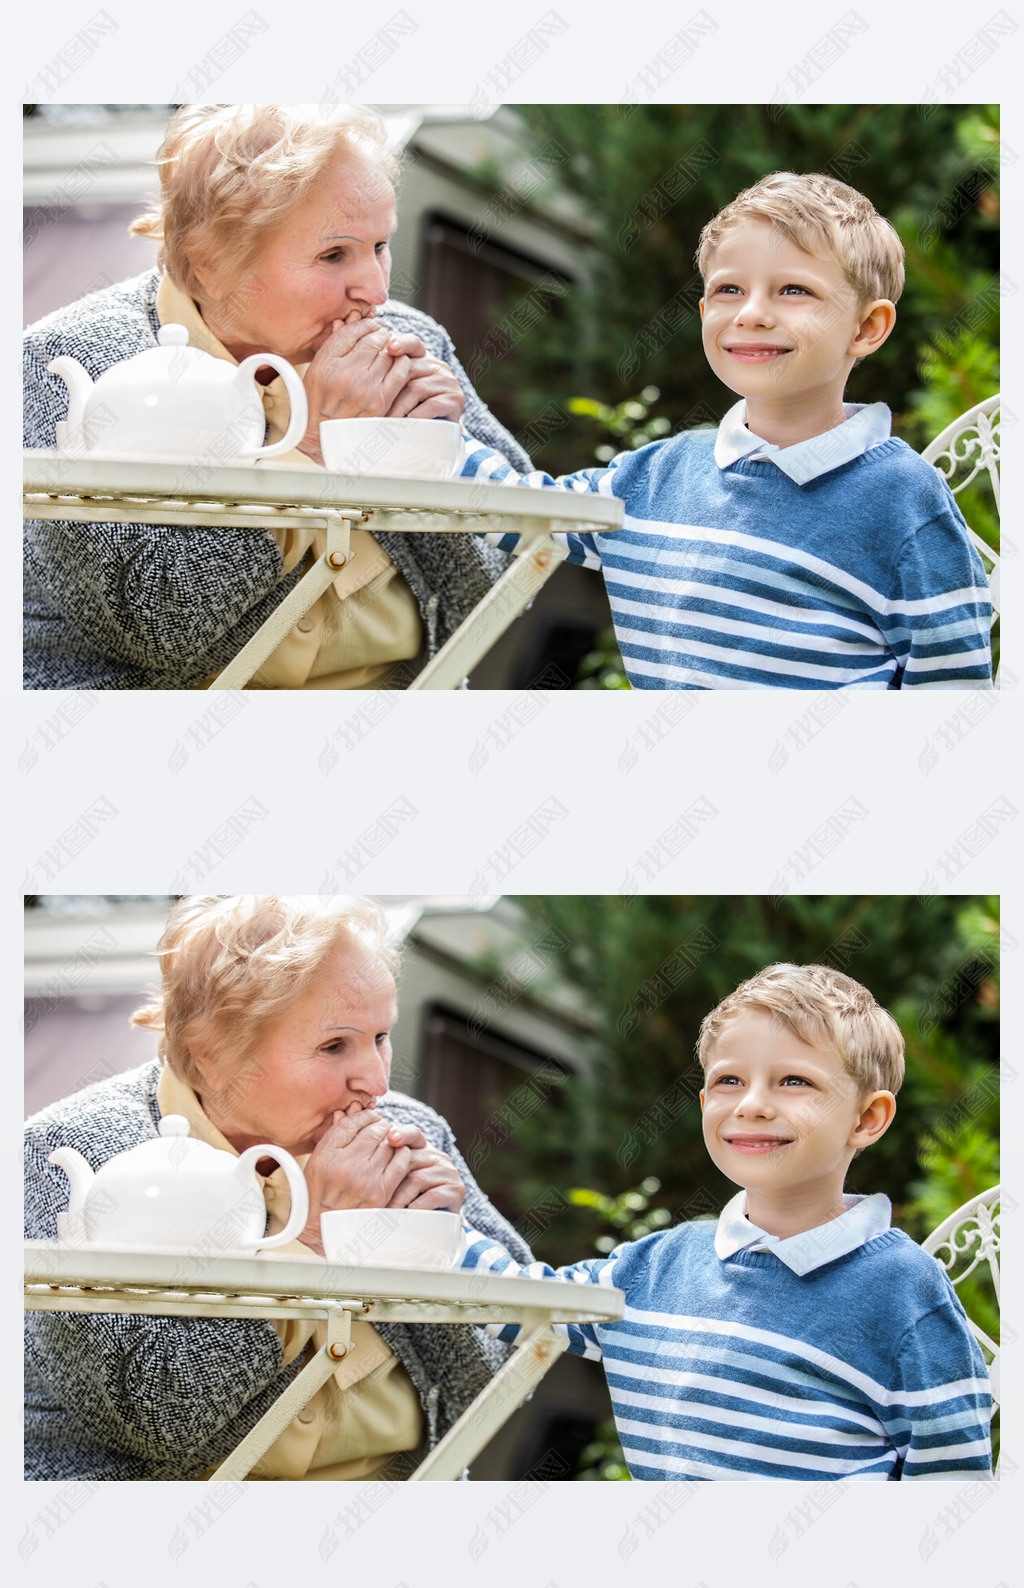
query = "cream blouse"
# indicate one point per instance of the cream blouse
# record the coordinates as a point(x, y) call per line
point(367, 620)
point(368, 1410)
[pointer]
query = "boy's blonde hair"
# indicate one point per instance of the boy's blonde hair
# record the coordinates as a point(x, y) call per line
point(231, 175)
point(232, 965)
point(825, 218)
point(826, 1010)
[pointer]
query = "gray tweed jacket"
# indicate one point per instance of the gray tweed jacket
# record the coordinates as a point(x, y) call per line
point(111, 1396)
point(137, 606)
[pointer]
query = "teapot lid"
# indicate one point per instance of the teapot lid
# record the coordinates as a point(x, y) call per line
point(172, 336)
point(173, 1125)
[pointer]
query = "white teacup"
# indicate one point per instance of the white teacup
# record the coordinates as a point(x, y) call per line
point(391, 1237)
point(407, 449)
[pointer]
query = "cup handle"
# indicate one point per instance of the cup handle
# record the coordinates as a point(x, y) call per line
point(296, 1185)
point(296, 398)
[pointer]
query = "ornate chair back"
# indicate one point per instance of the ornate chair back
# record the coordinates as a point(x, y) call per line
point(964, 1243)
point(963, 452)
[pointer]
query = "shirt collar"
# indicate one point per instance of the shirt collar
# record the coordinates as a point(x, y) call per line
point(865, 1217)
point(865, 426)
point(175, 307)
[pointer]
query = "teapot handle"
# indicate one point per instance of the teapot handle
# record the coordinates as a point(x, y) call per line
point(296, 1185)
point(296, 398)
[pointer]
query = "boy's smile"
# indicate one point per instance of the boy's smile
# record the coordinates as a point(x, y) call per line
point(783, 1120)
point(756, 352)
point(783, 328)
point(746, 1143)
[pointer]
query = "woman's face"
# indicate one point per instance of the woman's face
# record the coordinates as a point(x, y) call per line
point(331, 256)
point(330, 1049)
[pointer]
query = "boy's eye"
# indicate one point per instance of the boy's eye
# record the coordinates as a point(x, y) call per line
point(728, 287)
point(726, 1080)
point(792, 286)
point(796, 1080)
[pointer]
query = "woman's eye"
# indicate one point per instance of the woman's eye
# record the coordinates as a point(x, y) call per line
point(382, 248)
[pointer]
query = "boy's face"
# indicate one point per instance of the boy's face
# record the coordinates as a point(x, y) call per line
point(778, 323)
point(780, 1117)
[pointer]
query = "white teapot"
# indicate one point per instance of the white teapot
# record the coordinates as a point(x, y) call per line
point(176, 1192)
point(175, 401)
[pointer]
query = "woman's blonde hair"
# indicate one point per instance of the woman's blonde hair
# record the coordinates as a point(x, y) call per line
point(230, 175)
point(231, 966)
point(825, 1009)
point(825, 218)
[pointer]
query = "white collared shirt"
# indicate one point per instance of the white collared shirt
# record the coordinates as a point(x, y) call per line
point(865, 1217)
point(865, 426)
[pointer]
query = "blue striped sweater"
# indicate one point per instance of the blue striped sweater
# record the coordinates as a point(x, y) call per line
point(739, 578)
point(863, 1368)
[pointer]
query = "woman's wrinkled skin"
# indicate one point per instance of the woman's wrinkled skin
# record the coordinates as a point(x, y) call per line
point(312, 1086)
point(311, 298)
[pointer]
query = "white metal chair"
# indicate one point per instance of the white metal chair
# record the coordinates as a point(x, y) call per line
point(963, 1243)
point(963, 451)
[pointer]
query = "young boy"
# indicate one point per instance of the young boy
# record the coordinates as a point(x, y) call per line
point(800, 546)
point(800, 1336)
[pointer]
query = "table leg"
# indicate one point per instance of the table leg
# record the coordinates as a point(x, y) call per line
point(537, 1350)
point(301, 1390)
point(535, 560)
point(284, 618)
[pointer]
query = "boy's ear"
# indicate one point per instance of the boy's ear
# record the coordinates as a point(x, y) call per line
point(701, 307)
point(700, 1094)
point(876, 321)
point(877, 1112)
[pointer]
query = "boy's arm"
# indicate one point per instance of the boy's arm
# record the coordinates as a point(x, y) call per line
point(487, 1256)
point(484, 464)
point(939, 1414)
point(939, 626)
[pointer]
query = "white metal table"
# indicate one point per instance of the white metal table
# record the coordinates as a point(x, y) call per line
point(165, 1284)
point(95, 490)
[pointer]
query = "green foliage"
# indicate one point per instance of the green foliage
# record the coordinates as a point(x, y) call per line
point(630, 422)
point(957, 1165)
point(650, 968)
point(649, 178)
point(603, 1459)
point(630, 1214)
point(602, 667)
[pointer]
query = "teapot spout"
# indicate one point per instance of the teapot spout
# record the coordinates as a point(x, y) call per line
point(79, 1172)
point(79, 384)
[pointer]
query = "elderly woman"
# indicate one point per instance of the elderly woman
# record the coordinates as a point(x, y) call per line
point(274, 1019)
point(274, 224)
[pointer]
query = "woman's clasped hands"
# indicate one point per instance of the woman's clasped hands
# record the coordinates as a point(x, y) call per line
point(363, 370)
point(363, 1161)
